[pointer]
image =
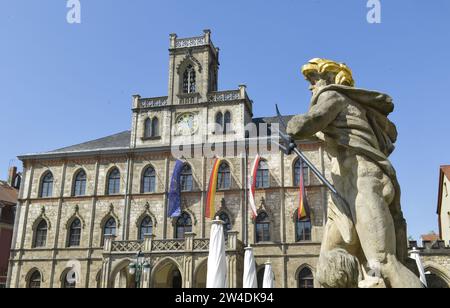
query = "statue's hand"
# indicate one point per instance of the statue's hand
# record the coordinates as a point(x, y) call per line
point(296, 125)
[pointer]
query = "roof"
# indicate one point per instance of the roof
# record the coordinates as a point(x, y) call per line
point(8, 194)
point(274, 120)
point(443, 171)
point(433, 237)
point(446, 171)
point(120, 140)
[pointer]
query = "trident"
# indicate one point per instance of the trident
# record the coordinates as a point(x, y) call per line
point(339, 201)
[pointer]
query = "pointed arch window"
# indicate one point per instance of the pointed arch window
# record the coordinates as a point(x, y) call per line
point(155, 127)
point(151, 128)
point(148, 128)
point(183, 225)
point(75, 233)
point(186, 180)
point(47, 186)
point(262, 228)
point(110, 227)
point(35, 280)
point(149, 180)
point(306, 174)
point(260, 277)
point(305, 279)
point(69, 284)
point(79, 188)
point(114, 182)
point(223, 123)
point(189, 80)
point(227, 123)
point(40, 238)
point(146, 227)
point(262, 176)
point(227, 223)
point(303, 229)
point(224, 177)
point(219, 123)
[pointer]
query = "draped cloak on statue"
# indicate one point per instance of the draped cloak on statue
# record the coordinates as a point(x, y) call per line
point(372, 137)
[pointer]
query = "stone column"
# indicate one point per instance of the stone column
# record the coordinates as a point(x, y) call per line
point(148, 241)
point(106, 266)
point(243, 91)
point(231, 248)
point(187, 263)
point(232, 240)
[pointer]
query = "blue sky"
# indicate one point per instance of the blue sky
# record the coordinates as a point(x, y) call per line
point(62, 84)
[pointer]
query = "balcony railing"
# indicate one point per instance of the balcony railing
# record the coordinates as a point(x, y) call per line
point(125, 246)
point(150, 245)
point(225, 96)
point(153, 102)
point(190, 42)
point(169, 245)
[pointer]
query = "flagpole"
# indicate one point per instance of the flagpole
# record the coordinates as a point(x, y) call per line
point(246, 190)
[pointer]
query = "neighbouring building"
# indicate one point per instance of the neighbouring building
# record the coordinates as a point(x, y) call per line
point(435, 257)
point(99, 203)
point(444, 204)
point(8, 201)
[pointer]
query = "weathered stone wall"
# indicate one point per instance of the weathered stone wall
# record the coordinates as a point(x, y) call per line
point(280, 201)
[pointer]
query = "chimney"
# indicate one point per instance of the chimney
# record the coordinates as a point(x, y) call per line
point(12, 176)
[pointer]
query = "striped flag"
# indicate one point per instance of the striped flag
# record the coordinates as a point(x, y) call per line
point(252, 186)
point(211, 197)
point(303, 209)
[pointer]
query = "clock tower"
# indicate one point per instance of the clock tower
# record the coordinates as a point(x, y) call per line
point(194, 110)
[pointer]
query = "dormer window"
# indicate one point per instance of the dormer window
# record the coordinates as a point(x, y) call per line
point(189, 80)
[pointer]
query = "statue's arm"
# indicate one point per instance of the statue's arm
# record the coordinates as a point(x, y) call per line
point(329, 105)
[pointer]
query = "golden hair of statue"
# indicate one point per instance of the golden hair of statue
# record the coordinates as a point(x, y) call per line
point(323, 66)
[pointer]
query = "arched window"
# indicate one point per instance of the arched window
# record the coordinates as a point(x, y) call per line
point(186, 178)
point(183, 226)
point(306, 173)
point(114, 182)
point(219, 123)
point(260, 277)
point(148, 128)
point(227, 123)
point(69, 282)
point(40, 238)
point(75, 233)
point(47, 185)
point(305, 279)
point(262, 228)
point(302, 229)
point(224, 177)
point(35, 280)
point(189, 80)
point(79, 188)
point(262, 176)
point(110, 227)
point(146, 227)
point(155, 127)
point(149, 180)
point(227, 223)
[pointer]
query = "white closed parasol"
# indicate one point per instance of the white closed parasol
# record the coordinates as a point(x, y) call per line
point(217, 260)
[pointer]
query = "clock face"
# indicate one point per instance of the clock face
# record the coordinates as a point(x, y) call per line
point(187, 124)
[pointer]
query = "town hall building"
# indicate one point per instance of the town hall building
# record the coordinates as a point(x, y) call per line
point(94, 206)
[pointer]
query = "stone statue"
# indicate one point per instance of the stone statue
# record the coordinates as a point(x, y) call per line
point(359, 138)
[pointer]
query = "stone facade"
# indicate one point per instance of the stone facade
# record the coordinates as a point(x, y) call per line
point(103, 261)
